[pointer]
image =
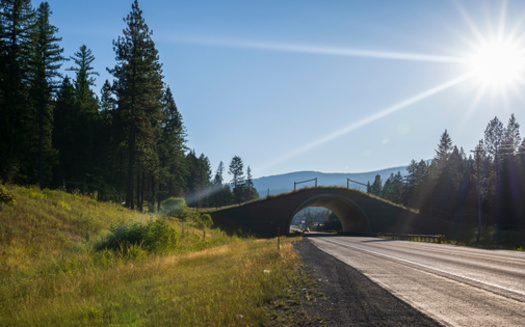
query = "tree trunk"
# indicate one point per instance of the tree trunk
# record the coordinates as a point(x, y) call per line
point(131, 163)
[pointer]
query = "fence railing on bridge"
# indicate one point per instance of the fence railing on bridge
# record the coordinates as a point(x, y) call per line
point(306, 181)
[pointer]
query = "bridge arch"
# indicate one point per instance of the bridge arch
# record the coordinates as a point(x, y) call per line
point(353, 218)
point(358, 212)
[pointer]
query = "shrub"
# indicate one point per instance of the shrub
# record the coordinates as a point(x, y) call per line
point(172, 206)
point(157, 237)
point(122, 236)
point(204, 221)
point(160, 237)
point(6, 197)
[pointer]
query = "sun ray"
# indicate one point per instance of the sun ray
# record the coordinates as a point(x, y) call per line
point(477, 98)
point(513, 34)
point(325, 50)
point(473, 28)
point(502, 19)
point(366, 121)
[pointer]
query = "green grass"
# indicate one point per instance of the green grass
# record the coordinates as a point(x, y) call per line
point(54, 271)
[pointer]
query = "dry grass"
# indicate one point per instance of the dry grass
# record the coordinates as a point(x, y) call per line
point(50, 274)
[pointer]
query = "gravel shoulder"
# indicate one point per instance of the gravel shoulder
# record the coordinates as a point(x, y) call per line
point(350, 298)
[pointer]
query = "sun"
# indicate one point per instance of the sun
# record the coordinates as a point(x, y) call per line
point(497, 63)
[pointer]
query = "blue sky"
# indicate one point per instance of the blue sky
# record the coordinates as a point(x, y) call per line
point(332, 86)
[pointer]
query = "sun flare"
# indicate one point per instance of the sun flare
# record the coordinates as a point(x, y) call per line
point(497, 63)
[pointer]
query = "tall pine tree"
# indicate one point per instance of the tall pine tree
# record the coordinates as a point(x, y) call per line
point(171, 149)
point(45, 62)
point(139, 90)
point(81, 127)
point(18, 24)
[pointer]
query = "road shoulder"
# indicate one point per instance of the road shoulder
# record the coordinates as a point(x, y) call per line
point(351, 299)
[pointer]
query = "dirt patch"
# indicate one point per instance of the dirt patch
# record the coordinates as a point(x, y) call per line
point(350, 298)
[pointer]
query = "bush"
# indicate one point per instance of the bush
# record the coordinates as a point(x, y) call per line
point(123, 236)
point(6, 197)
point(157, 237)
point(160, 237)
point(172, 206)
point(204, 221)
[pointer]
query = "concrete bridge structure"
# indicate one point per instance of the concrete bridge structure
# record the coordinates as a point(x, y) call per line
point(359, 213)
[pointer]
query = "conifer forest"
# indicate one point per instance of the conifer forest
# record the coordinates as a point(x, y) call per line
point(125, 144)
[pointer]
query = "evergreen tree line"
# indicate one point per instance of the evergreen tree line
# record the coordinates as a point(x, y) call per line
point(486, 186)
point(128, 145)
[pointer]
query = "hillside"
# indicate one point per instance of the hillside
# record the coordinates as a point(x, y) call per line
point(69, 260)
point(277, 184)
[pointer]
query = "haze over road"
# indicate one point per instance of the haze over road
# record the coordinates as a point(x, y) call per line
point(457, 286)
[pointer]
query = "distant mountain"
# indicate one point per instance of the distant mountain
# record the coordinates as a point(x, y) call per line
point(285, 182)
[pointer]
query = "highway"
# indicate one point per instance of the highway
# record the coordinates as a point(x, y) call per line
point(457, 286)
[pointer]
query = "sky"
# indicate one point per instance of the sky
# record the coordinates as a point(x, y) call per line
point(330, 86)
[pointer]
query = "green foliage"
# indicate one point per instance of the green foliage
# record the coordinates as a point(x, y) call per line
point(172, 206)
point(160, 237)
point(204, 221)
point(157, 236)
point(377, 186)
point(48, 264)
point(6, 197)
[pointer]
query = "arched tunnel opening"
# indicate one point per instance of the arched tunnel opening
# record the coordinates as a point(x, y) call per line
point(316, 219)
point(330, 212)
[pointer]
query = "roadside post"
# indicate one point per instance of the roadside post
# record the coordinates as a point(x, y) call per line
point(278, 238)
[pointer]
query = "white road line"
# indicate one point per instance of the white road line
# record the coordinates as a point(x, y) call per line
point(430, 268)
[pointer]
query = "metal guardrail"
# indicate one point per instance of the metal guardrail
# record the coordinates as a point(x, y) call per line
point(348, 180)
point(306, 181)
point(440, 238)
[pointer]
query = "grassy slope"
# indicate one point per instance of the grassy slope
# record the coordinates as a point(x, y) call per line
point(50, 273)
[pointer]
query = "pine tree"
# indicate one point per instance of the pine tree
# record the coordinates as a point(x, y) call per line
point(108, 104)
point(63, 132)
point(221, 195)
point(387, 192)
point(218, 179)
point(377, 186)
point(45, 62)
point(443, 151)
point(85, 73)
point(511, 195)
point(393, 188)
point(171, 148)
point(138, 86)
point(88, 153)
point(236, 170)
point(250, 191)
point(18, 25)
point(511, 137)
point(415, 183)
point(109, 141)
point(494, 134)
point(198, 180)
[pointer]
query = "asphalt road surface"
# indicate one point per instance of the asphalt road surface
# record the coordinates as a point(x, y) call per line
point(456, 286)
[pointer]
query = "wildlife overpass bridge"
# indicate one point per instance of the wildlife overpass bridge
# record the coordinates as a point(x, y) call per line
point(359, 213)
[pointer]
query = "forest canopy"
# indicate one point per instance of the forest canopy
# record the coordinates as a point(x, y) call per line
point(127, 144)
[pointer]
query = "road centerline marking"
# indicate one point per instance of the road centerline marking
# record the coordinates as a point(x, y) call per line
point(454, 253)
point(458, 276)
